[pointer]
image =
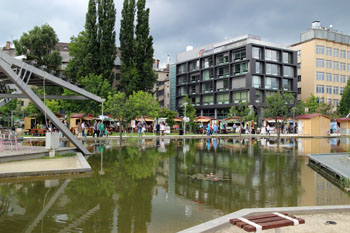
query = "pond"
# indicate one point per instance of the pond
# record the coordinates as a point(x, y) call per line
point(170, 185)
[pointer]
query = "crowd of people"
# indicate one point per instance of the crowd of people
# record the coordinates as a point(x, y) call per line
point(98, 129)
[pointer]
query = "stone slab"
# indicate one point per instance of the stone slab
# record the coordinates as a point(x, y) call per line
point(337, 163)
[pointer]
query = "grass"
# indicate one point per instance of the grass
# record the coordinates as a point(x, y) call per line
point(57, 156)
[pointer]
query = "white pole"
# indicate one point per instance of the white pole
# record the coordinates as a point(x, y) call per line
point(185, 119)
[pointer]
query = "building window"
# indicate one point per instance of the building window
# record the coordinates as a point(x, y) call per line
point(335, 78)
point(348, 54)
point(223, 98)
point(348, 67)
point(238, 82)
point(196, 101)
point(335, 90)
point(299, 90)
point(336, 102)
point(287, 84)
point(299, 78)
point(298, 53)
point(195, 78)
point(258, 67)
point(257, 82)
point(329, 90)
point(258, 96)
point(194, 65)
point(319, 76)
point(288, 71)
point(342, 90)
point(270, 93)
point(272, 69)
point(208, 100)
point(182, 91)
point(240, 68)
point(271, 55)
point(222, 59)
point(342, 78)
point(222, 72)
point(347, 78)
point(319, 49)
point(271, 83)
point(329, 64)
point(207, 62)
point(207, 87)
point(180, 102)
point(319, 89)
point(208, 74)
point(329, 51)
point(287, 57)
point(335, 65)
point(329, 77)
point(329, 101)
point(241, 96)
point(257, 53)
point(182, 80)
point(181, 69)
point(342, 66)
point(335, 52)
point(222, 85)
point(319, 62)
point(239, 55)
point(342, 53)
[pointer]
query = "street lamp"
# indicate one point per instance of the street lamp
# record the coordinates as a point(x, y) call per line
point(185, 119)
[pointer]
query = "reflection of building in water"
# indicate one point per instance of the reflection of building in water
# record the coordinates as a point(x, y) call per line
point(316, 190)
point(313, 146)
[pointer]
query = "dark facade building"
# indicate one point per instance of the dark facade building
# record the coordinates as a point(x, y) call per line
point(244, 69)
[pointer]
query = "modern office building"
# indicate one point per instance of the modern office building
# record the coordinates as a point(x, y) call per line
point(323, 63)
point(244, 69)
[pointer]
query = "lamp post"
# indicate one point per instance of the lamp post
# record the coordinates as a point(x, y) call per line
point(185, 119)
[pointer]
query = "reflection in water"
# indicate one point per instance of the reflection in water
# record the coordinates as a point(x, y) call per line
point(152, 185)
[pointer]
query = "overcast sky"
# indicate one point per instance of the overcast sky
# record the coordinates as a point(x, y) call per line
point(178, 23)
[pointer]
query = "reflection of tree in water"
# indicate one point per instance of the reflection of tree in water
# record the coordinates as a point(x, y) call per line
point(257, 178)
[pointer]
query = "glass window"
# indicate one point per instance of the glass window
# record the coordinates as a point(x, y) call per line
point(287, 57)
point(329, 89)
point(287, 84)
point(182, 79)
point(258, 67)
point(342, 66)
point(319, 62)
point(182, 91)
point(342, 78)
point(271, 55)
point(271, 83)
point(258, 96)
point(180, 101)
point(272, 69)
point(207, 62)
point(240, 68)
point(335, 52)
point(222, 72)
point(335, 65)
point(319, 49)
point(348, 67)
point(222, 59)
point(195, 78)
point(241, 96)
point(330, 101)
point(223, 98)
point(348, 54)
point(238, 82)
point(207, 87)
point(270, 93)
point(222, 85)
point(335, 78)
point(257, 53)
point(319, 76)
point(208, 100)
point(335, 90)
point(194, 65)
point(329, 64)
point(336, 102)
point(239, 55)
point(347, 78)
point(342, 53)
point(208, 74)
point(319, 89)
point(329, 51)
point(342, 90)
point(256, 82)
point(288, 71)
point(181, 69)
point(329, 77)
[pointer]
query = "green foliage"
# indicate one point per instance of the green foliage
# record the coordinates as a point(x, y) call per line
point(39, 44)
point(136, 49)
point(344, 105)
point(190, 113)
point(299, 108)
point(241, 111)
point(142, 104)
point(117, 106)
point(169, 114)
point(314, 106)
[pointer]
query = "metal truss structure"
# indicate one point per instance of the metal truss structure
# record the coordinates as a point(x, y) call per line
point(16, 79)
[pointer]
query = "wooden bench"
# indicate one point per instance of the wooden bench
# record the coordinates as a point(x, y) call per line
point(274, 220)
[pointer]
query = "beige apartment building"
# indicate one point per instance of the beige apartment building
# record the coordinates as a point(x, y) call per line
point(323, 63)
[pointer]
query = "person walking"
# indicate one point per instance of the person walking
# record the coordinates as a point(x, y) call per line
point(139, 129)
point(157, 129)
point(162, 128)
point(95, 129)
point(79, 129)
point(215, 129)
point(208, 129)
point(102, 129)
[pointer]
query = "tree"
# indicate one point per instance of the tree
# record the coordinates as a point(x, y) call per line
point(117, 106)
point(168, 114)
point(344, 105)
point(5, 111)
point(136, 49)
point(39, 45)
point(277, 106)
point(190, 113)
point(142, 104)
point(312, 103)
point(242, 112)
